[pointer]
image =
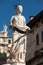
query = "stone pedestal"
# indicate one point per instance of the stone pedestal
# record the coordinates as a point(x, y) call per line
point(17, 63)
point(6, 64)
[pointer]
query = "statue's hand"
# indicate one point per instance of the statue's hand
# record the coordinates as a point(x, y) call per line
point(28, 28)
point(25, 27)
point(10, 25)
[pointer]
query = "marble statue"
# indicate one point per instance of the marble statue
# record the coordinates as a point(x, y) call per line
point(18, 21)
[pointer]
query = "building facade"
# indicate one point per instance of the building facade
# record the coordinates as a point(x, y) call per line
point(5, 43)
point(34, 54)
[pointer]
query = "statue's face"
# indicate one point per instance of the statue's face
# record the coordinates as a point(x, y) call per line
point(19, 9)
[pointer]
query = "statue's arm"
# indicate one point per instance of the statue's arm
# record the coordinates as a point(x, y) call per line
point(25, 26)
point(24, 20)
point(11, 21)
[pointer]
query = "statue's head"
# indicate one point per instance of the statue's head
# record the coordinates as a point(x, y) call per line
point(19, 9)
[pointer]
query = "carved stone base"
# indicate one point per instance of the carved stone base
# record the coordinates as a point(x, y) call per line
point(6, 64)
point(17, 63)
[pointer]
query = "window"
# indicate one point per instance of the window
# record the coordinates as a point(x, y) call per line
point(42, 36)
point(41, 21)
point(37, 39)
point(37, 25)
point(9, 41)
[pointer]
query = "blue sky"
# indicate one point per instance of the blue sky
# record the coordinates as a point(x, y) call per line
point(31, 7)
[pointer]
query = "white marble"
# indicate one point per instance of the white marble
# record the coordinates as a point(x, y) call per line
point(19, 39)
